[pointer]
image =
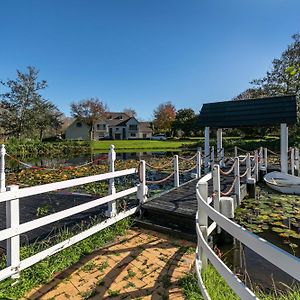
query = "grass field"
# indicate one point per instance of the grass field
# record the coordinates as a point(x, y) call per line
point(141, 144)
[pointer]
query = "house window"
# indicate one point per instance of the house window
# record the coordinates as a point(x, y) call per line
point(132, 127)
point(133, 135)
point(101, 126)
point(78, 124)
point(117, 129)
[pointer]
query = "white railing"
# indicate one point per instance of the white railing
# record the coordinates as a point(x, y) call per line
point(283, 260)
point(12, 196)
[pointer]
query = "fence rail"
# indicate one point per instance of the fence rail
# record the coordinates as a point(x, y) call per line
point(220, 214)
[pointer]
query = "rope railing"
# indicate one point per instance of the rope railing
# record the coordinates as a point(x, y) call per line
point(274, 153)
point(226, 173)
point(231, 188)
point(187, 158)
point(160, 167)
point(243, 160)
point(161, 180)
point(244, 174)
point(188, 170)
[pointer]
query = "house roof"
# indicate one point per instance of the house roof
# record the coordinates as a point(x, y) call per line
point(249, 113)
point(116, 118)
point(145, 127)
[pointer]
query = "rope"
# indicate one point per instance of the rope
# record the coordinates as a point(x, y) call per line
point(161, 180)
point(231, 188)
point(243, 160)
point(245, 173)
point(53, 169)
point(187, 158)
point(253, 169)
point(229, 171)
point(219, 151)
point(246, 151)
point(189, 170)
point(272, 152)
point(161, 167)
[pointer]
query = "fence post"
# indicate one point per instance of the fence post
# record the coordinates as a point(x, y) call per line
point(198, 162)
point(202, 217)
point(142, 188)
point(216, 189)
point(256, 164)
point(237, 185)
point(212, 157)
point(112, 206)
point(2, 168)
point(297, 160)
point(176, 171)
point(235, 151)
point(266, 159)
point(248, 166)
point(292, 161)
point(261, 158)
point(223, 158)
point(13, 243)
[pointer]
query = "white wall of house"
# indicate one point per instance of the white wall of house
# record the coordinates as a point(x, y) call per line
point(132, 129)
point(78, 131)
point(101, 130)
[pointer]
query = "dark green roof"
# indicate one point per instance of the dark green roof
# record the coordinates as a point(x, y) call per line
point(249, 113)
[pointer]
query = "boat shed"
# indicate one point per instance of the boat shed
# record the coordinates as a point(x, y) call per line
point(259, 112)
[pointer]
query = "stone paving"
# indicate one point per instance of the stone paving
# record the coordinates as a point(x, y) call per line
point(142, 265)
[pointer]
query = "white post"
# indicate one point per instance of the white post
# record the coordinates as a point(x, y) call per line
point(266, 158)
point(284, 148)
point(248, 166)
point(223, 158)
point(112, 207)
point(142, 188)
point(202, 217)
point(2, 168)
point(293, 161)
point(13, 243)
point(235, 151)
point(256, 165)
point(212, 157)
point(237, 186)
point(216, 189)
point(198, 162)
point(261, 157)
point(176, 171)
point(207, 150)
point(297, 161)
point(219, 144)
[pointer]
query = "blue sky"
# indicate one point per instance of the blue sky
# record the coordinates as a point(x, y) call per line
point(140, 53)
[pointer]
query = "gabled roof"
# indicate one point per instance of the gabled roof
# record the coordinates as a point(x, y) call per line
point(116, 118)
point(249, 113)
point(145, 127)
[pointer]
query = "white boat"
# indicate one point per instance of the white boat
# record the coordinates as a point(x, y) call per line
point(283, 183)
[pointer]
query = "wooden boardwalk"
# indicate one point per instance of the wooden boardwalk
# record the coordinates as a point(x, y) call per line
point(176, 209)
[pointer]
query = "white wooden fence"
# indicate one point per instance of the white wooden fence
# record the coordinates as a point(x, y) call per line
point(283, 260)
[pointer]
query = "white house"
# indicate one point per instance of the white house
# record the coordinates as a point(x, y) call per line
point(115, 126)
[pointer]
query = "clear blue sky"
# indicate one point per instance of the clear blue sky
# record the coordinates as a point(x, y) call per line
point(140, 53)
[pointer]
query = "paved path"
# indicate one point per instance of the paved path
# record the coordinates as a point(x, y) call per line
point(142, 265)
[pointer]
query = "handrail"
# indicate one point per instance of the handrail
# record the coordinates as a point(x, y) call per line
point(285, 261)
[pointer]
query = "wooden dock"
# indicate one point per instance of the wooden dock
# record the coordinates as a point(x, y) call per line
point(175, 210)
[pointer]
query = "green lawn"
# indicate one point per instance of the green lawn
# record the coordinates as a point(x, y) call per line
point(141, 144)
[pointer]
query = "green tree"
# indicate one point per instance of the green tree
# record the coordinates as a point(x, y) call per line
point(21, 96)
point(184, 121)
point(164, 116)
point(89, 111)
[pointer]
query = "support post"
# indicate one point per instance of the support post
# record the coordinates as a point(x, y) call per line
point(237, 186)
point(112, 206)
point(198, 162)
point(142, 188)
point(260, 158)
point(256, 165)
point(212, 157)
point(2, 168)
point(223, 158)
point(284, 147)
point(13, 243)
point(235, 151)
point(219, 144)
point(206, 150)
point(216, 189)
point(176, 171)
point(293, 161)
point(297, 161)
point(248, 166)
point(202, 218)
point(266, 159)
